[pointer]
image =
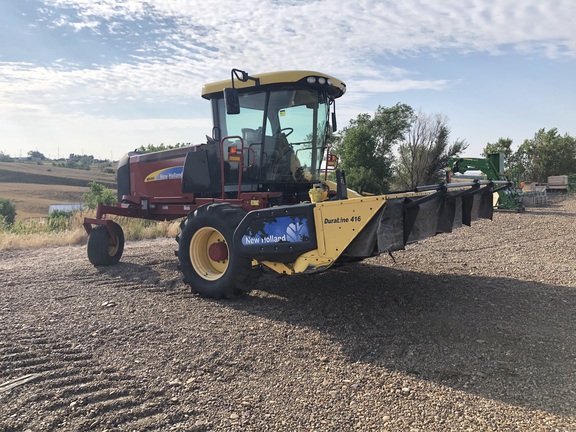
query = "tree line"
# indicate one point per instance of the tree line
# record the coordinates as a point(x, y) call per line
point(400, 148)
point(548, 153)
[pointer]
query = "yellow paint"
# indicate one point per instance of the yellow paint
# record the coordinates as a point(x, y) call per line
point(351, 193)
point(234, 157)
point(337, 224)
point(317, 193)
point(278, 267)
point(273, 78)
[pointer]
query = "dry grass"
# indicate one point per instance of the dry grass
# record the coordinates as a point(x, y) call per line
point(38, 240)
point(137, 229)
point(33, 188)
point(33, 200)
point(34, 233)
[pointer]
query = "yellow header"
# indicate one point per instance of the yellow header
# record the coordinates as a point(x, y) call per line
point(336, 87)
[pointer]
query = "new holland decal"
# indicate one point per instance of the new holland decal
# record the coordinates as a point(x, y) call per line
point(284, 229)
point(165, 174)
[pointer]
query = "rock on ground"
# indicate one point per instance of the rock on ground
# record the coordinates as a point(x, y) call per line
point(474, 330)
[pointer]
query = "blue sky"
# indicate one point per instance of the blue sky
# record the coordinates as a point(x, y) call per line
point(103, 77)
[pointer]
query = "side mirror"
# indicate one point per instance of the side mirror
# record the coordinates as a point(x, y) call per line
point(334, 126)
point(231, 101)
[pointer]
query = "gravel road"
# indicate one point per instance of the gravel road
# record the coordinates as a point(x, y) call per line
point(474, 330)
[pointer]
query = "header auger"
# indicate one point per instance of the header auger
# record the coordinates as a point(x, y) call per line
point(253, 195)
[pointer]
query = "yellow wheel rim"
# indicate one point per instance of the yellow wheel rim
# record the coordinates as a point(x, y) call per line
point(112, 248)
point(205, 266)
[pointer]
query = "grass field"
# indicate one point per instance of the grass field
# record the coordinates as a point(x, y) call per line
point(33, 187)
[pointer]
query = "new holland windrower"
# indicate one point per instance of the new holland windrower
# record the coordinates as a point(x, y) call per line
point(254, 195)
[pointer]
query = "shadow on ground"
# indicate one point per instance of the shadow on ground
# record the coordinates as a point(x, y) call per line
point(499, 338)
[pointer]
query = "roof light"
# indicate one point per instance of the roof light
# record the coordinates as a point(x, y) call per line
point(311, 80)
point(329, 81)
point(322, 80)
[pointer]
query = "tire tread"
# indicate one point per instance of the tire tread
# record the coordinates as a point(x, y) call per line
point(226, 217)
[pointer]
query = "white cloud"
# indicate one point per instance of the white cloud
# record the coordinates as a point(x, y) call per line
point(208, 38)
point(177, 45)
point(97, 135)
point(385, 86)
point(331, 32)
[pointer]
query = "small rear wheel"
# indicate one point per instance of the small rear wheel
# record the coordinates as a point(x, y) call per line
point(102, 251)
point(205, 254)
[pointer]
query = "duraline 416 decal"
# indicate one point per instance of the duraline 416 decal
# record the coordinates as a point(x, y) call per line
point(165, 174)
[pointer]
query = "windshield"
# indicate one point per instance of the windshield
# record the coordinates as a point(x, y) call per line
point(284, 132)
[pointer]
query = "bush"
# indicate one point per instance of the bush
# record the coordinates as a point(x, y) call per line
point(7, 211)
point(98, 193)
point(59, 221)
point(5, 158)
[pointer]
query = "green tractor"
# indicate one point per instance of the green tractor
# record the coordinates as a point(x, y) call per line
point(493, 169)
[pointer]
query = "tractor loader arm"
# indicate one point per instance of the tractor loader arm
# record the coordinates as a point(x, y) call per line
point(508, 198)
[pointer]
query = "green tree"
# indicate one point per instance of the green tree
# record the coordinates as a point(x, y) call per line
point(512, 168)
point(365, 149)
point(35, 154)
point(7, 211)
point(547, 154)
point(98, 193)
point(503, 145)
point(154, 148)
point(5, 157)
point(424, 153)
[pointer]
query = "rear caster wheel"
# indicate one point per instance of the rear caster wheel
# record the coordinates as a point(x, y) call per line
point(101, 249)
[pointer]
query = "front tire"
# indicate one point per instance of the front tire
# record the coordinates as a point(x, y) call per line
point(101, 249)
point(205, 254)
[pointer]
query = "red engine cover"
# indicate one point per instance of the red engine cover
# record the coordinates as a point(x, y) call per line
point(159, 174)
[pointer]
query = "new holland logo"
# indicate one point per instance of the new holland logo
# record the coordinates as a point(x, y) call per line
point(165, 174)
point(285, 229)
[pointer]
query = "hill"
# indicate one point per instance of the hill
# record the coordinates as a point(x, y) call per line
point(33, 187)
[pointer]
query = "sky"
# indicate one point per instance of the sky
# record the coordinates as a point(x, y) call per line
point(103, 77)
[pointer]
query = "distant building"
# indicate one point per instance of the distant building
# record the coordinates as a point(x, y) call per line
point(65, 208)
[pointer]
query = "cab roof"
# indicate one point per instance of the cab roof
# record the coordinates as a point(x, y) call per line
point(334, 86)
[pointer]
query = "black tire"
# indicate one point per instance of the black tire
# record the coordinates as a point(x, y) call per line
point(211, 227)
point(101, 251)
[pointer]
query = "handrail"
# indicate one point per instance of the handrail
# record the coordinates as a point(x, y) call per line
point(241, 165)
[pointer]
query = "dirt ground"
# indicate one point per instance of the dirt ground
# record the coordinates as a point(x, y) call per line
point(473, 330)
point(46, 173)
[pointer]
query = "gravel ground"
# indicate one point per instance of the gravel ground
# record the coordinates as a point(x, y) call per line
point(474, 330)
